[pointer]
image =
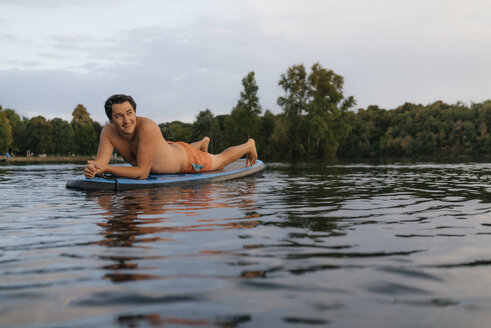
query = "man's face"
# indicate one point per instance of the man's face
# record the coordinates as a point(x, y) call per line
point(124, 117)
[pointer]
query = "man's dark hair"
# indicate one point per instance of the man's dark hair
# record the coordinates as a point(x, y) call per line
point(117, 99)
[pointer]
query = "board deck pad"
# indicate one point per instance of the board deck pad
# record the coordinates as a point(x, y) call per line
point(234, 170)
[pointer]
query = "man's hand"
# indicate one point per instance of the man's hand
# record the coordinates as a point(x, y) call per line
point(92, 169)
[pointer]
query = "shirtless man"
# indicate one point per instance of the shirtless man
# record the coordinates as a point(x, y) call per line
point(140, 142)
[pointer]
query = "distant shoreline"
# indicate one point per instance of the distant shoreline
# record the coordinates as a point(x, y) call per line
point(40, 159)
point(47, 159)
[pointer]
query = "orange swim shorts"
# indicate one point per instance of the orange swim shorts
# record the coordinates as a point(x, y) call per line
point(198, 160)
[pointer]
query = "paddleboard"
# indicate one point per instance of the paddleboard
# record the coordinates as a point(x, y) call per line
point(235, 170)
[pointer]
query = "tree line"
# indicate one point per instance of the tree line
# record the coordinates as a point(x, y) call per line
point(37, 135)
point(315, 122)
point(411, 130)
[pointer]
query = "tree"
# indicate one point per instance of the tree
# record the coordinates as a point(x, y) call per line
point(315, 110)
point(326, 118)
point(222, 142)
point(5, 132)
point(177, 131)
point(266, 129)
point(63, 137)
point(277, 142)
point(207, 125)
point(294, 104)
point(85, 139)
point(97, 128)
point(39, 135)
point(17, 126)
point(248, 97)
point(243, 122)
point(81, 116)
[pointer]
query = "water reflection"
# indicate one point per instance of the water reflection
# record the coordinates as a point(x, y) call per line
point(157, 320)
point(143, 222)
point(148, 219)
point(304, 245)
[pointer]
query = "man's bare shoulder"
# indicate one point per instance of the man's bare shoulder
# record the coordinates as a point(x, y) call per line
point(145, 121)
point(147, 125)
point(108, 129)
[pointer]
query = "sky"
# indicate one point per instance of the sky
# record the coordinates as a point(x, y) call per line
point(180, 57)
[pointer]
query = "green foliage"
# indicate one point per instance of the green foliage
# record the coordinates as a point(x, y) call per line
point(315, 122)
point(243, 123)
point(86, 139)
point(206, 125)
point(294, 104)
point(63, 137)
point(177, 131)
point(437, 129)
point(222, 142)
point(80, 116)
point(85, 136)
point(249, 98)
point(5, 132)
point(39, 134)
point(315, 111)
point(17, 127)
point(97, 128)
point(326, 118)
point(266, 129)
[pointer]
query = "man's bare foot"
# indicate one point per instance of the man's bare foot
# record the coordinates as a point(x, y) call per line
point(204, 144)
point(252, 154)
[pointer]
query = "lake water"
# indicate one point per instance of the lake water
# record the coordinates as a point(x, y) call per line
point(302, 245)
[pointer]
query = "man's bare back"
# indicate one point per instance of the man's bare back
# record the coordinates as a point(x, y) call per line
point(140, 142)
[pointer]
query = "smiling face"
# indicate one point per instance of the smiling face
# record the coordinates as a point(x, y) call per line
point(124, 118)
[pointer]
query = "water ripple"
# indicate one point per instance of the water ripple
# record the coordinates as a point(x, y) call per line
point(305, 244)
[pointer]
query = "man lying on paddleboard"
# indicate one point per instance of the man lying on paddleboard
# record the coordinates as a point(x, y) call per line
point(140, 142)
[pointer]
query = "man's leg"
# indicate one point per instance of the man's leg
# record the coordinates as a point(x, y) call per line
point(232, 154)
point(202, 144)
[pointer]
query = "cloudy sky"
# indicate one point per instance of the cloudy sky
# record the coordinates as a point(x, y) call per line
point(178, 57)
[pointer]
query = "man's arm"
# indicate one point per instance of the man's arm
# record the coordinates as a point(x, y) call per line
point(148, 138)
point(104, 153)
